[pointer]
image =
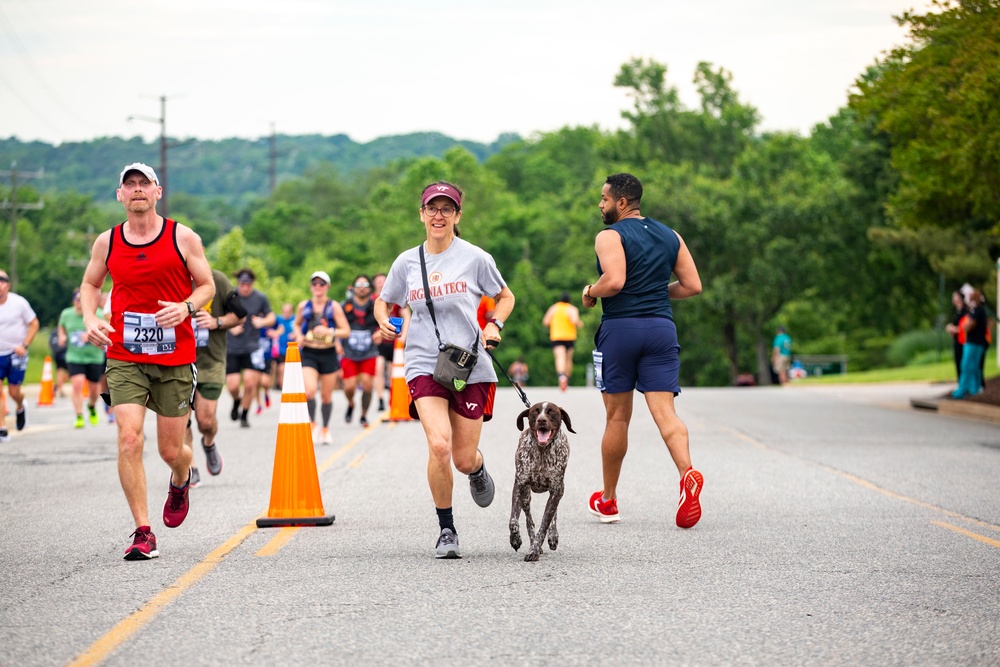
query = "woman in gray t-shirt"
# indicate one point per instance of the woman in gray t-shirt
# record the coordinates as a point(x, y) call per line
point(458, 275)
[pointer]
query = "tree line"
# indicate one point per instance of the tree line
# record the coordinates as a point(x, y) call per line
point(851, 237)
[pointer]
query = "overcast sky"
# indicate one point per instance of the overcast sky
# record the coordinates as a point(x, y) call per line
point(73, 70)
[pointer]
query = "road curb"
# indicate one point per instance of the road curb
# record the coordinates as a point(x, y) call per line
point(958, 408)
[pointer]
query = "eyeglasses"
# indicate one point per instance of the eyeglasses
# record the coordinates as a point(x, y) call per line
point(4, 279)
point(318, 283)
point(362, 284)
point(446, 211)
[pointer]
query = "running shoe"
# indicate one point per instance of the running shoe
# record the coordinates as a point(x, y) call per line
point(195, 477)
point(363, 421)
point(325, 438)
point(143, 546)
point(175, 510)
point(563, 382)
point(481, 485)
point(79, 422)
point(94, 421)
point(605, 510)
point(244, 422)
point(4, 436)
point(259, 409)
point(22, 419)
point(381, 405)
point(349, 414)
point(234, 414)
point(213, 460)
point(267, 399)
point(688, 507)
point(447, 545)
point(111, 417)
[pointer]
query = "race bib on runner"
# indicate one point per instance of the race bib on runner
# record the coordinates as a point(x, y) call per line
point(142, 335)
point(359, 340)
point(78, 339)
point(200, 334)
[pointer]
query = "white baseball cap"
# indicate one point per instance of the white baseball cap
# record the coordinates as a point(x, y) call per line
point(143, 169)
point(322, 275)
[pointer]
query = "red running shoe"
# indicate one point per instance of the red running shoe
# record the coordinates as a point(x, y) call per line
point(175, 510)
point(688, 507)
point(605, 510)
point(143, 546)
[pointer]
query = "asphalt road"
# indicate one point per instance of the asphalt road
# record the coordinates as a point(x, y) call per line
point(840, 527)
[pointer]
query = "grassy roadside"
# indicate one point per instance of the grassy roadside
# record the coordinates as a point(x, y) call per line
point(943, 371)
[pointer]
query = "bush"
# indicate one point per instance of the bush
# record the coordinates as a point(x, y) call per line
point(912, 344)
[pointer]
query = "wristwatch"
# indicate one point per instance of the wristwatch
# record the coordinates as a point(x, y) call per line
point(497, 322)
point(218, 322)
point(190, 308)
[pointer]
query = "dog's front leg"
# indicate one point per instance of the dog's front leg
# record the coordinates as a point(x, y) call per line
point(543, 527)
point(515, 518)
point(529, 522)
point(553, 532)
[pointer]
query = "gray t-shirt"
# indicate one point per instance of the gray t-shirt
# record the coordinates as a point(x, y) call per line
point(458, 277)
point(257, 305)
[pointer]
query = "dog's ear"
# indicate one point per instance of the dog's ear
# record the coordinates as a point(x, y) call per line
point(520, 420)
point(565, 418)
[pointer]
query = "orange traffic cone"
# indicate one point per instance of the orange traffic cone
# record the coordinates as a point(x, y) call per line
point(295, 496)
point(46, 393)
point(399, 393)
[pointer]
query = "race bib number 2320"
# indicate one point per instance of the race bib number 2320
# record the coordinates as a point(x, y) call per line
point(142, 335)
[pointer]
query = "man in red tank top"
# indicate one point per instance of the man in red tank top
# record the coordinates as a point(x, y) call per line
point(153, 262)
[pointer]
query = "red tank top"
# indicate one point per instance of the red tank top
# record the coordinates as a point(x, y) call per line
point(143, 275)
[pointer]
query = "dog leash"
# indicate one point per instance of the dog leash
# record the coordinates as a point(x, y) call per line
point(517, 387)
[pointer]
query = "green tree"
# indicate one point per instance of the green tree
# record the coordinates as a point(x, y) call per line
point(935, 97)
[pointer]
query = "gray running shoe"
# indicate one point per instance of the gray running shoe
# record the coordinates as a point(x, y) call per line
point(213, 460)
point(195, 477)
point(482, 487)
point(447, 545)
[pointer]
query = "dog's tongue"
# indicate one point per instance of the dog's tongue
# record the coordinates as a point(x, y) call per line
point(543, 437)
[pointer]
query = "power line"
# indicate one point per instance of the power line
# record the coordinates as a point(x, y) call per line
point(37, 78)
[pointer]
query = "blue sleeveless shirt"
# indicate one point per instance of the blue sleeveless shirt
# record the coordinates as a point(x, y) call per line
point(650, 254)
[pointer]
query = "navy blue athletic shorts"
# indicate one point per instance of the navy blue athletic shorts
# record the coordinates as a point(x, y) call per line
point(637, 353)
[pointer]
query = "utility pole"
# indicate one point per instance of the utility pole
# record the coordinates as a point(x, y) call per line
point(161, 172)
point(14, 206)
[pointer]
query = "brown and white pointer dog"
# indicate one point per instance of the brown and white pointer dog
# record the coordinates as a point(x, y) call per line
point(540, 466)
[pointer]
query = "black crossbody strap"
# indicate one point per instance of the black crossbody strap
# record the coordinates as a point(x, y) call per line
point(427, 296)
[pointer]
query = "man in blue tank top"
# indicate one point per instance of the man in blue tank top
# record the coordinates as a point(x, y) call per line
point(636, 345)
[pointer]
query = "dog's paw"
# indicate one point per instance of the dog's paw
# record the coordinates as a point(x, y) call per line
point(531, 556)
point(515, 540)
point(553, 542)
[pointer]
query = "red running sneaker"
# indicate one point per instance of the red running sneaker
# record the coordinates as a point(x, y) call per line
point(143, 546)
point(605, 510)
point(688, 507)
point(175, 510)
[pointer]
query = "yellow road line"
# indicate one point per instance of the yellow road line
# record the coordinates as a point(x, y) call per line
point(968, 533)
point(111, 640)
point(357, 461)
point(281, 539)
point(115, 637)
